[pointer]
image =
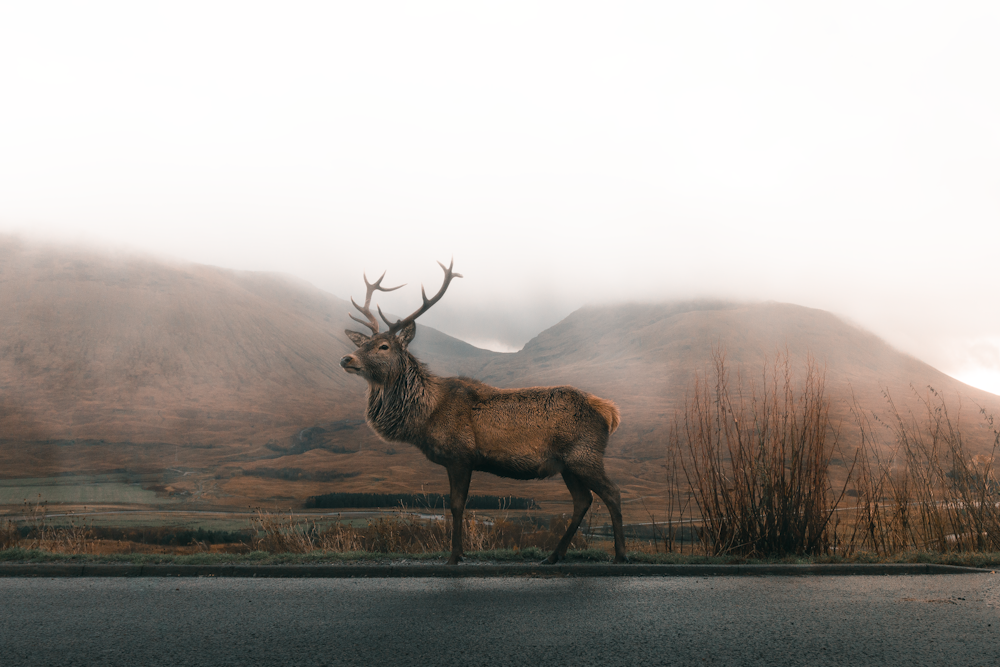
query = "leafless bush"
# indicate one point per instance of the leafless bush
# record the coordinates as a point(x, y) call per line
point(679, 517)
point(756, 455)
point(920, 487)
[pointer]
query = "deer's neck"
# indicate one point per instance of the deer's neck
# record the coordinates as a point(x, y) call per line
point(398, 409)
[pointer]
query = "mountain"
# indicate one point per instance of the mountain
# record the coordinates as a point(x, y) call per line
point(231, 380)
point(127, 348)
point(146, 357)
point(646, 357)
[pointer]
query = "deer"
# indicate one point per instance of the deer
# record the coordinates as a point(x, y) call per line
point(466, 425)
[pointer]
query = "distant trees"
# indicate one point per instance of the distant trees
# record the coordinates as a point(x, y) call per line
point(297, 474)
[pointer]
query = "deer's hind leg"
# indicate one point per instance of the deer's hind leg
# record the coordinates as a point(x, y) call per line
point(608, 492)
point(582, 498)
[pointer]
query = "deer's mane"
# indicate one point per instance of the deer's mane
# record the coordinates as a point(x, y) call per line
point(398, 407)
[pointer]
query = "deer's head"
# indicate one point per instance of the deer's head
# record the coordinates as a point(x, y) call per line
point(382, 356)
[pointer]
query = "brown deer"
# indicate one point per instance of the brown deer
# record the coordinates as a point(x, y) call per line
point(465, 425)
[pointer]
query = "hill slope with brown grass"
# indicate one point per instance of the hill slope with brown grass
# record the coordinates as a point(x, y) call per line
point(231, 379)
point(646, 357)
point(149, 357)
point(95, 347)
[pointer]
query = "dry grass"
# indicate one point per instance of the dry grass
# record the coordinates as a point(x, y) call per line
point(10, 534)
point(74, 538)
point(36, 532)
point(402, 533)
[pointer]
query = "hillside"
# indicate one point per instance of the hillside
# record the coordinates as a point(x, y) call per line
point(145, 357)
point(645, 357)
point(225, 386)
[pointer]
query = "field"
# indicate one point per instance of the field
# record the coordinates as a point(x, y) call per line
point(77, 490)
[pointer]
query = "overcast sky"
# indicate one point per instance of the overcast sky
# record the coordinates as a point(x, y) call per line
point(843, 156)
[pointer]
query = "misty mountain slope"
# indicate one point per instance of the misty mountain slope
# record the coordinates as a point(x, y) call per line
point(133, 349)
point(645, 357)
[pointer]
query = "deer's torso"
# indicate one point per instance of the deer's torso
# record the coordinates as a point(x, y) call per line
point(519, 433)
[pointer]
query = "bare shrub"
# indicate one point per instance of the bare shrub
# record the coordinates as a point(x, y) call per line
point(680, 518)
point(928, 492)
point(756, 456)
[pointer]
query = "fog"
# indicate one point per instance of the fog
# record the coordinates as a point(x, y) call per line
point(842, 156)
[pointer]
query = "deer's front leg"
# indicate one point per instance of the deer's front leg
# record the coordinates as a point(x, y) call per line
point(459, 477)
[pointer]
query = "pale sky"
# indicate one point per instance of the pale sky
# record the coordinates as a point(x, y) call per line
point(843, 156)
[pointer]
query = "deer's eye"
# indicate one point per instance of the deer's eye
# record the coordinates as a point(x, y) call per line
point(383, 346)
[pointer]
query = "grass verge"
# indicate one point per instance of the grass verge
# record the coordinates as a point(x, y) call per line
point(530, 555)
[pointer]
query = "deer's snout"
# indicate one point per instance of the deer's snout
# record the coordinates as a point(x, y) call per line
point(347, 362)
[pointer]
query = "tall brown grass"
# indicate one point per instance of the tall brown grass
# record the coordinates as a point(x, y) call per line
point(39, 534)
point(401, 533)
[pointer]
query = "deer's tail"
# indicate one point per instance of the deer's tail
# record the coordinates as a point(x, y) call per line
point(608, 410)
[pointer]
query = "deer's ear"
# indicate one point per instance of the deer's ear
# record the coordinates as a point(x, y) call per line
point(357, 337)
point(406, 334)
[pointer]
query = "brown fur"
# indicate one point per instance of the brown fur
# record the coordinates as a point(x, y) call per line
point(609, 411)
point(466, 425)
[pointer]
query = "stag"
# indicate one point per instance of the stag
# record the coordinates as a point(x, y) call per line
point(466, 425)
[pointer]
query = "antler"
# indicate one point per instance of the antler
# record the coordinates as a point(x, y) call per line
point(372, 323)
point(448, 275)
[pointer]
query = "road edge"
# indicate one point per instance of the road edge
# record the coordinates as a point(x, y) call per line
point(411, 570)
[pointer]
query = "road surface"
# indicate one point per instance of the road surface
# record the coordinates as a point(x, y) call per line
point(770, 620)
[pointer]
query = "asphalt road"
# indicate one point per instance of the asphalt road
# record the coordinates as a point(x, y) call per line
point(771, 620)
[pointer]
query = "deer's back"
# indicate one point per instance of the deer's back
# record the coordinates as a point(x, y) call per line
point(528, 432)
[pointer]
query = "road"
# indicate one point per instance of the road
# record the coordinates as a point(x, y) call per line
point(772, 620)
